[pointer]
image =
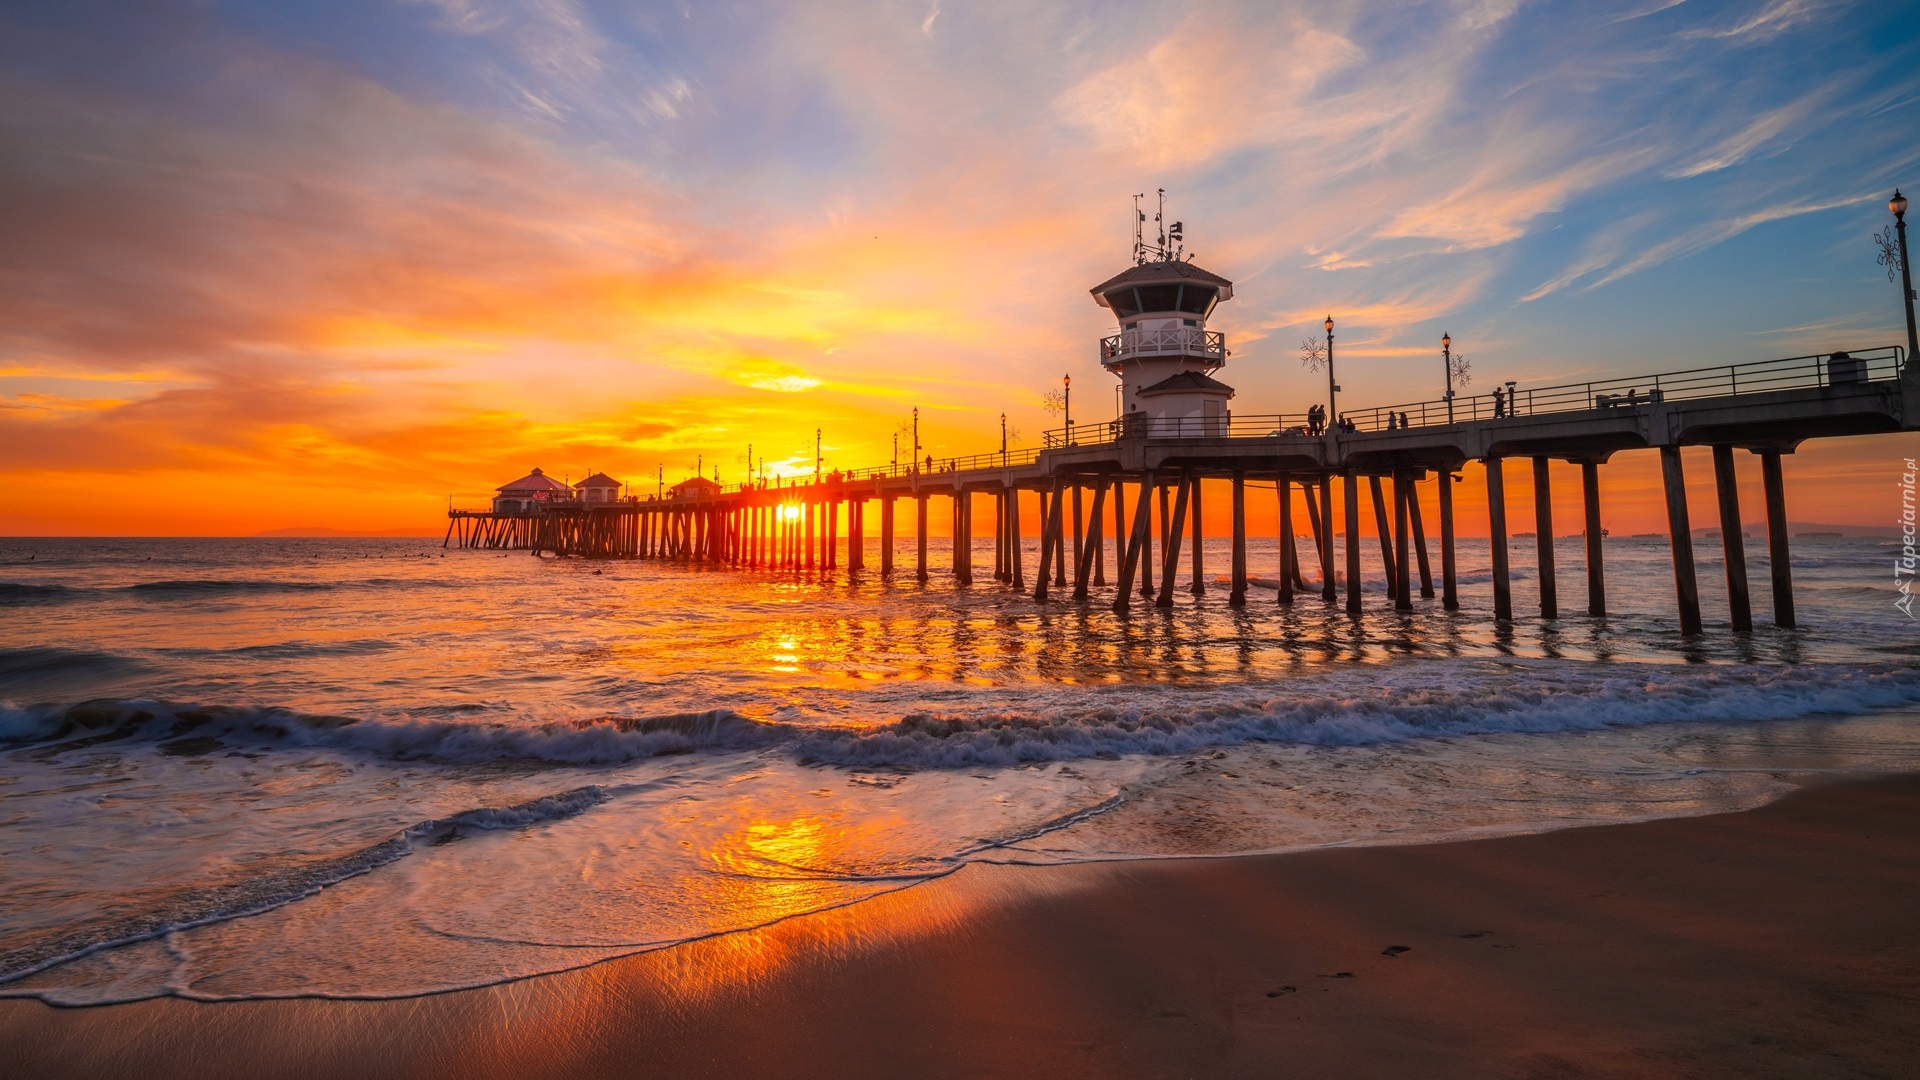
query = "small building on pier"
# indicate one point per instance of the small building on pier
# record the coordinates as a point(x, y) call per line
point(1163, 354)
point(694, 488)
point(598, 490)
point(529, 493)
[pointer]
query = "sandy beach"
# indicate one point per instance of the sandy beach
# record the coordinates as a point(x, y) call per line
point(1777, 942)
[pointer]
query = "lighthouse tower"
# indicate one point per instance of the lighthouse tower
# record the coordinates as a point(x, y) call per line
point(1163, 354)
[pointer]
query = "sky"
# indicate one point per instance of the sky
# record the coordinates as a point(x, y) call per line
point(274, 265)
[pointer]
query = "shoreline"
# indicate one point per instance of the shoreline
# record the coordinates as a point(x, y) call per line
point(1774, 941)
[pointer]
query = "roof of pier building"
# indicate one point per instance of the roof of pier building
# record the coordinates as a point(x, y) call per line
point(696, 485)
point(1168, 273)
point(1187, 382)
point(598, 480)
point(533, 482)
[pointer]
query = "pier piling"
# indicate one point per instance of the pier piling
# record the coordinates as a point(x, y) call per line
point(1238, 596)
point(1283, 485)
point(1386, 535)
point(1596, 559)
point(1779, 559)
point(1497, 540)
point(1170, 564)
point(1352, 501)
point(1732, 546)
point(1686, 588)
point(1543, 537)
point(1402, 580)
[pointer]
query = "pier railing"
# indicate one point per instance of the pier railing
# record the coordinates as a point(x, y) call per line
point(1730, 380)
point(1168, 341)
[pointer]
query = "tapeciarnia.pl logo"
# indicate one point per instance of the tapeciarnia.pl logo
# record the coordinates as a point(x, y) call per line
point(1905, 564)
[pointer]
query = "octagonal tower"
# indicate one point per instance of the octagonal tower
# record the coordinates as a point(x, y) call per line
point(1163, 353)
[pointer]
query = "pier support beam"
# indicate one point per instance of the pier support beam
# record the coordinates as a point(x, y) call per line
point(1284, 486)
point(1543, 533)
point(920, 534)
point(963, 537)
point(1090, 550)
point(1352, 501)
point(1386, 535)
point(1238, 596)
point(1199, 584)
point(1327, 587)
point(1000, 535)
point(1119, 534)
point(1016, 559)
point(1779, 559)
point(1596, 550)
point(1148, 486)
point(1052, 533)
point(1079, 533)
point(886, 534)
point(1403, 579)
point(1732, 546)
point(1171, 562)
point(1686, 588)
point(1497, 540)
point(857, 534)
point(1419, 538)
point(1136, 542)
point(1322, 545)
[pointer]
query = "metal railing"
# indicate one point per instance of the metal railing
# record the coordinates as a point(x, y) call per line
point(1167, 341)
point(1224, 426)
point(1790, 373)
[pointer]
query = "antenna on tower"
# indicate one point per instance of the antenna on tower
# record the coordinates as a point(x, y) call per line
point(1159, 223)
point(1139, 219)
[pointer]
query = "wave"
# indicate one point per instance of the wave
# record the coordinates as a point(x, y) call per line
point(1416, 700)
point(206, 905)
point(50, 730)
point(215, 586)
point(46, 661)
point(1380, 710)
point(23, 593)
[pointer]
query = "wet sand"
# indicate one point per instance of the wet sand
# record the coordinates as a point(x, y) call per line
point(1783, 942)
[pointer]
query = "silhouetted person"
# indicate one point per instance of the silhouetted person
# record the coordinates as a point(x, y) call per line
point(1499, 403)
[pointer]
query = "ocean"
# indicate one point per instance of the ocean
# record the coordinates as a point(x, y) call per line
point(245, 768)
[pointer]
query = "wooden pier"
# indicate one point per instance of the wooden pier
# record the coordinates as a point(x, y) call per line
point(1766, 409)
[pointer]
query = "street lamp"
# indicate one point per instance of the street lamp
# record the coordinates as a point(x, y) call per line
point(915, 464)
point(1446, 355)
point(1003, 445)
point(1332, 387)
point(1898, 204)
point(816, 455)
point(1066, 404)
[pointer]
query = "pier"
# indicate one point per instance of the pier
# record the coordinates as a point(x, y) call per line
point(1765, 409)
point(1175, 430)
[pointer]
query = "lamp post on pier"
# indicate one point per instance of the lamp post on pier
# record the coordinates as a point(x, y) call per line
point(816, 455)
point(1898, 204)
point(1003, 443)
point(1332, 387)
point(1446, 356)
point(1066, 402)
point(916, 439)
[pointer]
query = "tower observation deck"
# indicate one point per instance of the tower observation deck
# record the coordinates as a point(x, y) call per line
point(1163, 354)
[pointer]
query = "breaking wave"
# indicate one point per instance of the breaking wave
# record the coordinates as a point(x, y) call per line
point(1406, 702)
point(276, 888)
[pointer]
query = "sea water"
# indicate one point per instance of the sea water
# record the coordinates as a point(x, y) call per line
point(371, 768)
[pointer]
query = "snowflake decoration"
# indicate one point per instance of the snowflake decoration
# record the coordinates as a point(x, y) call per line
point(1313, 353)
point(1889, 252)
